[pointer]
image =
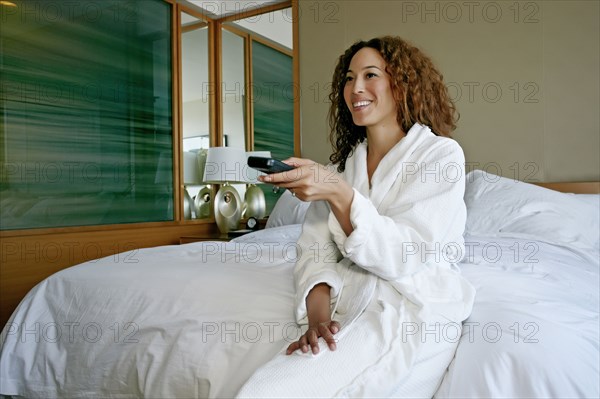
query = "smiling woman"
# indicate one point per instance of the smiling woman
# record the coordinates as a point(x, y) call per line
point(369, 97)
point(388, 102)
point(417, 89)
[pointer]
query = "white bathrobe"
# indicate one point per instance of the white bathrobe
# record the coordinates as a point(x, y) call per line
point(395, 287)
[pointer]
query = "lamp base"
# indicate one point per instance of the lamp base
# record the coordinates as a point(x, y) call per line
point(256, 205)
point(188, 206)
point(203, 203)
point(228, 209)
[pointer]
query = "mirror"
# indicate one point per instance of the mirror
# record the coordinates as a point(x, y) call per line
point(195, 114)
point(256, 94)
point(233, 89)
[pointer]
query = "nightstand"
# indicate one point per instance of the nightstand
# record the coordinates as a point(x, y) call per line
point(213, 236)
point(217, 236)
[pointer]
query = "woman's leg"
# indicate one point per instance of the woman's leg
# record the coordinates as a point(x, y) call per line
point(361, 355)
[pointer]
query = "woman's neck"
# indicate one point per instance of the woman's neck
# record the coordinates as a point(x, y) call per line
point(380, 142)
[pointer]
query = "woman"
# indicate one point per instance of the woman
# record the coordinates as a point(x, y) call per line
point(377, 285)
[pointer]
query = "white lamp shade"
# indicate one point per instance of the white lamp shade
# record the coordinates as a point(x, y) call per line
point(252, 174)
point(225, 165)
point(191, 172)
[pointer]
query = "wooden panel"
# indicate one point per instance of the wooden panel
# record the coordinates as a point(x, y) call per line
point(25, 260)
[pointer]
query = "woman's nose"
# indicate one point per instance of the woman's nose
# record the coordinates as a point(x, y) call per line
point(358, 86)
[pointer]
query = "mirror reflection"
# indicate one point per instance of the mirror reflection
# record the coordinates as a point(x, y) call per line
point(233, 89)
point(256, 101)
point(195, 115)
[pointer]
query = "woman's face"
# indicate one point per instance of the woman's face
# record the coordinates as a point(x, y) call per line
point(368, 93)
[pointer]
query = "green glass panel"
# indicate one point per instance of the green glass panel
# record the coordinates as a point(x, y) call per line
point(86, 129)
point(273, 107)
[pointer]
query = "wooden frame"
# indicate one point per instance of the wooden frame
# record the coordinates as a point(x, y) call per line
point(194, 26)
point(296, 76)
point(257, 11)
point(177, 111)
point(249, 77)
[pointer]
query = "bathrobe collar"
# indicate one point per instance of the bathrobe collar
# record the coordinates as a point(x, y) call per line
point(388, 169)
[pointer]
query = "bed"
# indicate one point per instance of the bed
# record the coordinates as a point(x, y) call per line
point(197, 320)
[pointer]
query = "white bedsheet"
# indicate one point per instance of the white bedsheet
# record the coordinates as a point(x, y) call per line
point(197, 320)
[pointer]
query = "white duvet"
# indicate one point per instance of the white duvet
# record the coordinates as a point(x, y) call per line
point(197, 320)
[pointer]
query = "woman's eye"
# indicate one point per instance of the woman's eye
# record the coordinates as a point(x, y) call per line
point(348, 79)
point(371, 75)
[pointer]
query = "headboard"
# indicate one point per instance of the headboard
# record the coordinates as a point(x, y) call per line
point(589, 187)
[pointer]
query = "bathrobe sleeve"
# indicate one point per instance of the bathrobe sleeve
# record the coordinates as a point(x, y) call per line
point(317, 259)
point(421, 220)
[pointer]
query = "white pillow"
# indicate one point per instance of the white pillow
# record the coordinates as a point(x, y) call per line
point(503, 207)
point(287, 210)
point(592, 199)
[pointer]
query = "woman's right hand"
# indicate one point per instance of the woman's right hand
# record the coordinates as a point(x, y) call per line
point(319, 321)
point(310, 338)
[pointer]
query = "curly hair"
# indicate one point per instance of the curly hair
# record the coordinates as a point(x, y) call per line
point(417, 86)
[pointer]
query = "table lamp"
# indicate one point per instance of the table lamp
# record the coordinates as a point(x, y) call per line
point(225, 165)
point(256, 205)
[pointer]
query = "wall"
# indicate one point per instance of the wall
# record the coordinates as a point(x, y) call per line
point(524, 76)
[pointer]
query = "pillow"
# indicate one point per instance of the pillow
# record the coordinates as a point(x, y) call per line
point(503, 207)
point(592, 199)
point(287, 210)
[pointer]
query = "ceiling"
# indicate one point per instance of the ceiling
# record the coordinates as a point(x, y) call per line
point(276, 25)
